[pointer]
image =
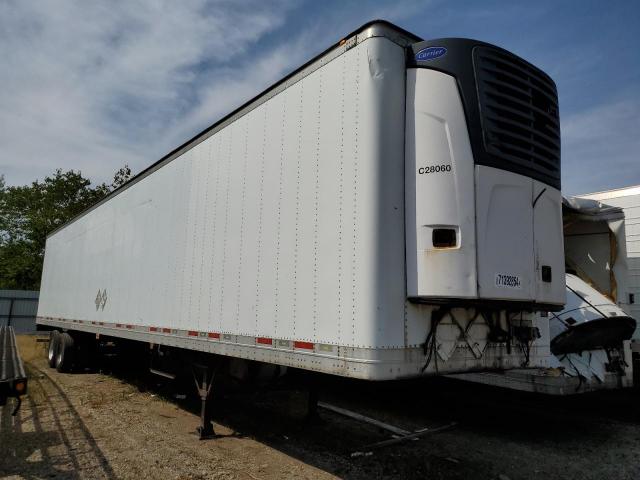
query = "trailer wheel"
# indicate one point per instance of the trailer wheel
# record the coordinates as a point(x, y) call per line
point(54, 344)
point(64, 358)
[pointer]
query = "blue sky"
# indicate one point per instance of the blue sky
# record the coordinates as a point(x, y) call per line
point(92, 86)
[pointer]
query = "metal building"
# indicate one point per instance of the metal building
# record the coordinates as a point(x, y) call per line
point(18, 308)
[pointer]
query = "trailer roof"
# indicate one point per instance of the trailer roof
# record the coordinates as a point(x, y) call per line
point(613, 193)
point(375, 28)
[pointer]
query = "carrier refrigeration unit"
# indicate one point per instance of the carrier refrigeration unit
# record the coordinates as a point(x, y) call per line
point(390, 209)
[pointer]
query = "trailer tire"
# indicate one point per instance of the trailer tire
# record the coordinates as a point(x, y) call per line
point(54, 345)
point(64, 359)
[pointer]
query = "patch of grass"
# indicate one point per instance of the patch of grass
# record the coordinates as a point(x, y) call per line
point(30, 348)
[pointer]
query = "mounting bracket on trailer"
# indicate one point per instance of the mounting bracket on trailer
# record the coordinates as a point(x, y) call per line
point(204, 376)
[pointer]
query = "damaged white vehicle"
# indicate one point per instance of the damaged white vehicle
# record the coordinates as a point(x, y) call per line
point(590, 338)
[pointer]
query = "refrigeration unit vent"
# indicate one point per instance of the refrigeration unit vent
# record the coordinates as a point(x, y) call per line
point(519, 112)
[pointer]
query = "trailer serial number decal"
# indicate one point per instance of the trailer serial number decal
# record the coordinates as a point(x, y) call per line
point(508, 281)
point(434, 169)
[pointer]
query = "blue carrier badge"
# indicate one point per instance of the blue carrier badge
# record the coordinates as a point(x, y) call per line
point(431, 53)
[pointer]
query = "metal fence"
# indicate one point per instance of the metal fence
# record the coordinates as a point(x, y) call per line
point(18, 308)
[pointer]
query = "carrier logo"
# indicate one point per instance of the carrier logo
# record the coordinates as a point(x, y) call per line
point(431, 53)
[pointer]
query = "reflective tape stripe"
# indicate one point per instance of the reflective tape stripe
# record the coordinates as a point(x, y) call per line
point(246, 340)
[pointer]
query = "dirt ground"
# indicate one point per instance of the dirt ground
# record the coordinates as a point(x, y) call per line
point(92, 425)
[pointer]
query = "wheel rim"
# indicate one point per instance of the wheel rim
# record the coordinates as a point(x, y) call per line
point(53, 343)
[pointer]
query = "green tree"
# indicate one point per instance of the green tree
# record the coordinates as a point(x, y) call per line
point(29, 213)
point(121, 177)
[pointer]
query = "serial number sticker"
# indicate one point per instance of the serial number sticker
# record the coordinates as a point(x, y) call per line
point(508, 281)
point(434, 169)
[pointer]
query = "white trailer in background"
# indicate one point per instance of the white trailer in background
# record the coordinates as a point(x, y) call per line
point(390, 209)
point(628, 200)
point(626, 277)
point(596, 247)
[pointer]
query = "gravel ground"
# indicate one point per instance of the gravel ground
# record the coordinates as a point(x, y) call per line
point(97, 426)
point(90, 425)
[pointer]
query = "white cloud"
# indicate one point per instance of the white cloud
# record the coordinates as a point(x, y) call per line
point(92, 86)
point(95, 85)
point(601, 147)
point(226, 89)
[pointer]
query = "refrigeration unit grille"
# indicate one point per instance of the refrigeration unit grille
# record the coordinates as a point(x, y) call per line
point(519, 114)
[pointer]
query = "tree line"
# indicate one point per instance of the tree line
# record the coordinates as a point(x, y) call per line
point(29, 213)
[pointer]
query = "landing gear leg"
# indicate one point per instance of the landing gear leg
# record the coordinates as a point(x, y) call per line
point(203, 376)
point(312, 403)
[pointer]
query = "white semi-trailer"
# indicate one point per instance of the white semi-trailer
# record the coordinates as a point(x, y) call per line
point(390, 209)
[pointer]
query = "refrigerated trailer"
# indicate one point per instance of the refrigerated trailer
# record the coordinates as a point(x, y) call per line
point(390, 209)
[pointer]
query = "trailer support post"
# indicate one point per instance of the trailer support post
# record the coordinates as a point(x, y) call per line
point(204, 376)
point(312, 416)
